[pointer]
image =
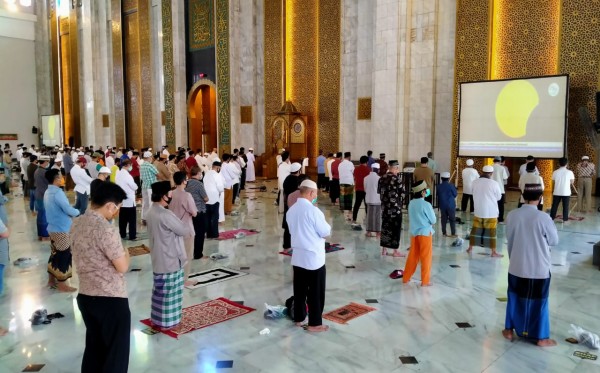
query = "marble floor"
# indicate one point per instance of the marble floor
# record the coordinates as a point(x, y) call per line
point(409, 320)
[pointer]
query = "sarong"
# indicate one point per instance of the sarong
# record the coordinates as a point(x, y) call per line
point(527, 308)
point(59, 264)
point(484, 229)
point(167, 299)
point(390, 231)
point(373, 222)
point(346, 195)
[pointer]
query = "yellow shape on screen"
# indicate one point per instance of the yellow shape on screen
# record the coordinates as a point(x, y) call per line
point(514, 106)
point(51, 127)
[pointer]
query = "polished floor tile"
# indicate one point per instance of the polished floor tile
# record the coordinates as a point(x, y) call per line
point(409, 320)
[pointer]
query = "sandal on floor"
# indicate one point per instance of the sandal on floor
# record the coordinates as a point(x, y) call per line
point(396, 274)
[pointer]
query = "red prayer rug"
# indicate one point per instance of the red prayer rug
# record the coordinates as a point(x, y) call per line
point(348, 312)
point(138, 250)
point(228, 235)
point(205, 314)
point(329, 248)
point(571, 217)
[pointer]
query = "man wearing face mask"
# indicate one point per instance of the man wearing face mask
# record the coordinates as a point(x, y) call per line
point(41, 184)
point(391, 191)
point(127, 213)
point(166, 232)
point(308, 229)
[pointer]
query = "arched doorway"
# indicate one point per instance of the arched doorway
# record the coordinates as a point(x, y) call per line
point(202, 116)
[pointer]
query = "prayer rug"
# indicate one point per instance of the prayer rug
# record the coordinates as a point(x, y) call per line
point(213, 276)
point(571, 217)
point(348, 312)
point(138, 250)
point(329, 248)
point(205, 314)
point(228, 235)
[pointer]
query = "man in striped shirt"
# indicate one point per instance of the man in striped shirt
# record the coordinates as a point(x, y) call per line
point(148, 174)
point(585, 173)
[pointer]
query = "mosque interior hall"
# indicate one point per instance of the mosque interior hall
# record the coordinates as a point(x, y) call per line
point(449, 85)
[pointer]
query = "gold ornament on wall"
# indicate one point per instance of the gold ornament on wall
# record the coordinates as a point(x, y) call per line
point(364, 108)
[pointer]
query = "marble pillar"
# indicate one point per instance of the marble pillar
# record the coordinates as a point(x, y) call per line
point(43, 60)
point(87, 121)
point(158, 99)
point(179, 83)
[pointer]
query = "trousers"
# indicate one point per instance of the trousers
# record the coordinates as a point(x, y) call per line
point(309, 289)
point(42, 224)
point(360, 198)
point(466, 198)
point(584, 195)
point(420, 251)
point(81, 202)
point(501, 208)
point(212, 217)
point(200, 222)
point(565, 206)
point(127, 217)
point(448, 214)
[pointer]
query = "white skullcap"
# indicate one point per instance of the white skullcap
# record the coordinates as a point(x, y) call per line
point(104, 170)
point(295, 167)
point(488, 168)
point(147, 155)
point(216, 159)
point(81, 154)
point(309, 184)
point(445, 175)
point(470, 162)
point(585, 158)
point(251, 149)
point(375, 165)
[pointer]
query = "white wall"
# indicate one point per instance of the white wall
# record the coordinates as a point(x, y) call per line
point(18, 94)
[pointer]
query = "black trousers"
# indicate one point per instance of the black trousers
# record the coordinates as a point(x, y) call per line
point(138, 182)
point(360, 197)
point(501, 208)
point(326, 183)
point(212, 218)
point(321, 181)
point(108, 327)
point(200, 222)
point(466, 198)
point(243, 179)
point(127, 218)
point(309, 288)
point(448, 214)
point(334, 189)
point(235, 192)
point(565, 206)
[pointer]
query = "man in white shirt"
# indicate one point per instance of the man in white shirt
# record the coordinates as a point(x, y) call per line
point(213, 184)
point(308, 228)
point(486, 194)
point(500, 176)
point(523, 167)
point(19, 152)
point(82, 185)
point(373, 201)
point(110, 160)
point(250, 171)
point(127, 213)
point(469, 174)
point(283, 171)
point(346, 170)
point(563, 180)
point(165, 150)
point(230, 174)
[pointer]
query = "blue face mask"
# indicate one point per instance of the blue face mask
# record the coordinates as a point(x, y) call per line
point(314, 201)
point(427, 192)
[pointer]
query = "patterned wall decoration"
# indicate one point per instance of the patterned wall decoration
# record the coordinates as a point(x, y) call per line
point(246, 114)
point(364, 108)
point(117, 63)
point(169, 117)
point(133, 88)
point(129, 6)
point(146, 70)
point(272, 67)
point(330, 15)
point(471, 56)
point(201, 28)
point(223, 81)
point(580, 58)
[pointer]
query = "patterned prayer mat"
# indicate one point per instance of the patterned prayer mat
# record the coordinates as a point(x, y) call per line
point(348, 312)
point(571, 217)
point(138, 250)
point(228, 235)
point(329, 248)
point(213, 276)
point(205, 314)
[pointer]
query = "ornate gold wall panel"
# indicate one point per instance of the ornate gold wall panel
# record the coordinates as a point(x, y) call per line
point(145, 70)
point(580, 58)
point(272, 67)
point(200, 24)
point(169, 117)
point(363, 111)
point(66, 86)
point(117, 65)
point(329, 53)
point(223, 79)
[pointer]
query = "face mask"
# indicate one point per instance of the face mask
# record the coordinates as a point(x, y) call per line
point(314, 201)
point(130, 168)
point(427, 192)
point(167, 200)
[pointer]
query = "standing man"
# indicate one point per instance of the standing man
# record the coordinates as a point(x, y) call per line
point(585, 174)
point(68, 166)
point(308, 228)
point(166, 233)
point(328, 162)
point(195, 187)
point(290, 185)
point(24, 163)
point(426, 173)
point(383, 166)
point(530, 178)
point(334, 184)
point(161, 167)
point(469, 175)
point(250, 171)
point(370, 159)
point(530, 233)
point(500, 176)
point(82, 185)
point(103, 177)
point(447, 200)
point(321, 170)
point(243, 161)
point(215, 187)
point(486, 194)
point(360, 173)
point(41, 185)
point(184, 207)
point(373, 201)
point(523, 167)
point(127, 213)
point(101, 263)
point(563, 180)
point(346, 171)
point(148, 174)
point(391, 190)
point(283, 170)
point(31, 168)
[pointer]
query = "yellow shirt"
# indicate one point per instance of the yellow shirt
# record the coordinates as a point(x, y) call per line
point(327, 169)
point(113, 173)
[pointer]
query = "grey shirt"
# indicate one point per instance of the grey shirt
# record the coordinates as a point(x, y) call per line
point(41, 184)
point(166, 234)
point(530, 233)
point(196, 189)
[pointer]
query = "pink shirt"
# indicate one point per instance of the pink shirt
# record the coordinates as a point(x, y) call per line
point(184, 207)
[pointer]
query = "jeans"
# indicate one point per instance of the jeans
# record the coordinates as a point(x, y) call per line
point(565, 205)
point(32, 200)
point(42, 224)
point(212, 215)
point(81, 202)
point(448, 213)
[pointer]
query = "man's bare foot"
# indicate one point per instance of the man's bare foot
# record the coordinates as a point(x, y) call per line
point(62, 287)
point(189, 283)
point(470, 250)
point(287, 251)
point(398, 254)
point(316, 329)
point(3, 331)
point(508, 334)
point(383, 251)
point(546, 342)
point(496, 255)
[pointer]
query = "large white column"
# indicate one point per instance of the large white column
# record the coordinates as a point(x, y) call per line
point(179, 84)
point(158, 99)
point(85, 48)
point(43, 60)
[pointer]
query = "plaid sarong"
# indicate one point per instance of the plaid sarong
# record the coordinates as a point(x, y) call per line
point(167, 299)
point(484, 229)
point(346, 194)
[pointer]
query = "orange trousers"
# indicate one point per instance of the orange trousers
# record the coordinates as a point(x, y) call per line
point(420, 250)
